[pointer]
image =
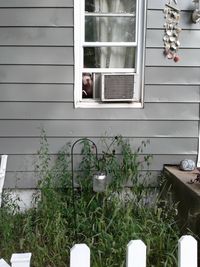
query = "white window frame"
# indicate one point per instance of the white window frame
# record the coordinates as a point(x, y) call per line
point(79, 44)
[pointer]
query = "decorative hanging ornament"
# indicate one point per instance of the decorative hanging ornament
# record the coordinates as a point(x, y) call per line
point(172, 30)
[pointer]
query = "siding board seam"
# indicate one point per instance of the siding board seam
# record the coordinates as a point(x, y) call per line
point(53, 83)
point(94, 137)
point(106, 120)
point(71, 101)
point(39, 27)
point(46, 46)
point(91, 136)
point(36, 7)
point(173, 84)
point(38, 64)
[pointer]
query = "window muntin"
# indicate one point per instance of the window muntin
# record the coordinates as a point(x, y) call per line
point(110, 40)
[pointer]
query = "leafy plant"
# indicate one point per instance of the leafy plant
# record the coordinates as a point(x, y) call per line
point(106, 222)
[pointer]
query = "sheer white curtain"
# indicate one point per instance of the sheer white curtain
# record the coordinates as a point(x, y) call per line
point(115, 29)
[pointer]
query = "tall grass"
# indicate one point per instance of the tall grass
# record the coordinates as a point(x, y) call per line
point(106, 222)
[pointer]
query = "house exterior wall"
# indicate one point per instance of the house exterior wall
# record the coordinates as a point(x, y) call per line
point(36, 89)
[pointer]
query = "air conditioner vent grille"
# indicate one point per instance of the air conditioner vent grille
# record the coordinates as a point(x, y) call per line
point(117, 87)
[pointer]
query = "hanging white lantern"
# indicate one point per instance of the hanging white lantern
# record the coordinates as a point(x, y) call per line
point(99, 182)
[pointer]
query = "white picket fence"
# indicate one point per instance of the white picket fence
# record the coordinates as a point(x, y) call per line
point(18, 260)
point(135, 257)
point(2, 174)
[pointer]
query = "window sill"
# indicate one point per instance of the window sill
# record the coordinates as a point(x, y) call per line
point(93, 104)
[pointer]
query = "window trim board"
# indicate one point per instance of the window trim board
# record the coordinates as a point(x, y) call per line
point(79, 44)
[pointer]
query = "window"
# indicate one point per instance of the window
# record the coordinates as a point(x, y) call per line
point(109, 52)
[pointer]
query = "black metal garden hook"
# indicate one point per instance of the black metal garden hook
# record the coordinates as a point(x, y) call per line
point(72, 177)
point(72, 154)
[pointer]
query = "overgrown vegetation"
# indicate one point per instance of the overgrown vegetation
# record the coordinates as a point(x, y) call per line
point(106, 222)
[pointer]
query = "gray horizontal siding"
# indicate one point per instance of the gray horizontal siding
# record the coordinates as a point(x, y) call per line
point(156, 57)
point(36, 3)
point(56, 111)
point(36, 89)
point(64, 93)
point(158, 145)
point(36, 74)
point(183, 4)
point(172, 75)
point(20, 167)
point(80, 128)
point(172, 94)
point(35, 93)
point(170, 82)
point(156, 20)
point(36, 17)
point(24, 36)
point(21, 180)
point(24, 180)
point(188, 38)
point(27, 163)
point(36, 55)
point(20, 170)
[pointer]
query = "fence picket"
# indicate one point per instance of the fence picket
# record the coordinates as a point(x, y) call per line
point(187, 251)
point(3, 163)
point(2, 174)
point(80, 256)
point(3, 263)
point(21, 260)
point(136, 254)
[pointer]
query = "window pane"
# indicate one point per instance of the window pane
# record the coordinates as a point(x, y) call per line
point(87, 85)
point(110, 29)
point(110, 6)
point(109, 57)
point(91, 85)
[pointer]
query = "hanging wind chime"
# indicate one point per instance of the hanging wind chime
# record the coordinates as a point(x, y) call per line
point(172, 30)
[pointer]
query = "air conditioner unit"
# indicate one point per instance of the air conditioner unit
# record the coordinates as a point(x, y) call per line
point(117, 87)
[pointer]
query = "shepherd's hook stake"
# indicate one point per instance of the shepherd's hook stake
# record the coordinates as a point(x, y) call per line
point(72, 168)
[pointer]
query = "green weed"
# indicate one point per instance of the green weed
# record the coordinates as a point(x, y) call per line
point(106, 222)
